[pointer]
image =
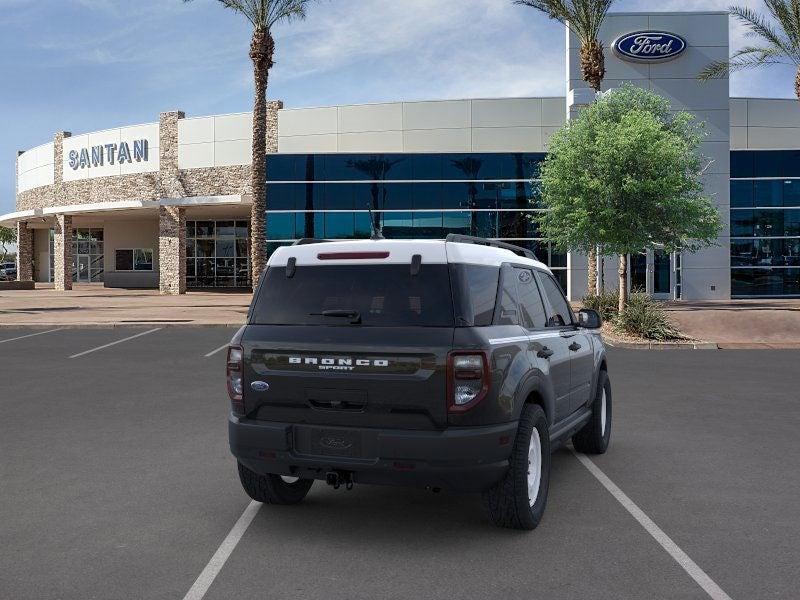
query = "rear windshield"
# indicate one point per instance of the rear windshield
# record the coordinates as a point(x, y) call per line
point(380, 296)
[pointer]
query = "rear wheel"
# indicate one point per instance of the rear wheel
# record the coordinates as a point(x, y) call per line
point(596, 434)
point(518, 500)
point(273, 489)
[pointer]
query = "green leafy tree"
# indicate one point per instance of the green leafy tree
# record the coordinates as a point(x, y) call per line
point(778, 40)
point(263, 15)
point(626, 175)
point(584, 19)
point(8, 236)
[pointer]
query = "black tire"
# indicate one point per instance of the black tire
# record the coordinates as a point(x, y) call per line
point(594, 437)
point(271, 489)
point(507, 503)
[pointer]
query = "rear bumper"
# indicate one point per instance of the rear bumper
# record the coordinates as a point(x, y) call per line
point(468, 459)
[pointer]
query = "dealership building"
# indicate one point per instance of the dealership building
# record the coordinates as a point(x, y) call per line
point(167, 204)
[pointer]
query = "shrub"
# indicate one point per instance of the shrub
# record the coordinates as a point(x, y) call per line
point(606, 303)
point(646, 318)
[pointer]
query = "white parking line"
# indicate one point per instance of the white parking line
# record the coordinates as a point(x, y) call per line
point(214, 566)
point(115, 343)
point(22, 337)
point(220, 349)
point(695, 572)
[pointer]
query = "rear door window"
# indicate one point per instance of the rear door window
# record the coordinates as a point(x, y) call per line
point(474, 292)
point(533, 315)
point(381, 295)
point(560, 315)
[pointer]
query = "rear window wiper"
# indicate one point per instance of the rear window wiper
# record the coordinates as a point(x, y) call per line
point(353, 315)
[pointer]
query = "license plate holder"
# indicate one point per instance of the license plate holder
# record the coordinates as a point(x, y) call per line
point(319, 441)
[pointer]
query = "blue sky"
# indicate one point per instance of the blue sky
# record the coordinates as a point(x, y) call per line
point(84, 65)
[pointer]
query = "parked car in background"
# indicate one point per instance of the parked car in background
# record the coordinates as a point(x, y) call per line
point(8, 271)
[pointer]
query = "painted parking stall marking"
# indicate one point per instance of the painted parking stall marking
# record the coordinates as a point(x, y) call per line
point(214, 566)
point(220, 349)
point(687, 564)
point(84, 353)
point(22, 337)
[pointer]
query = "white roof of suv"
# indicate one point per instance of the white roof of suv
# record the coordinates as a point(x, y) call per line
point(397, 252)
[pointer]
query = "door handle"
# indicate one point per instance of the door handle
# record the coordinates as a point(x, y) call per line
point(574, 346)
point(545, 352)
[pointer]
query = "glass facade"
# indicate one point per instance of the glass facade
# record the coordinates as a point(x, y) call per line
point(492, 195)
point(765, 223)
point(88, 262)
point(218, 254)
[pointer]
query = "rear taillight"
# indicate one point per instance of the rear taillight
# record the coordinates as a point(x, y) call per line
point(233, 373)
point(467, 379)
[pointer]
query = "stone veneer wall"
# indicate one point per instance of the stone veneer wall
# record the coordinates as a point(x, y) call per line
point(24, 252)
point(172, 250)
point(62, 251)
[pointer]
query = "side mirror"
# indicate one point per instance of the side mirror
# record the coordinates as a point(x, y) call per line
point(589, 319)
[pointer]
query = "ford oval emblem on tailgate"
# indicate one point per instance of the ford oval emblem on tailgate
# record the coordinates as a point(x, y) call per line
point(259, 386)
point(335, 443)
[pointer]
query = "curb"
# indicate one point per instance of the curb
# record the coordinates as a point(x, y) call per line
point(663, 345)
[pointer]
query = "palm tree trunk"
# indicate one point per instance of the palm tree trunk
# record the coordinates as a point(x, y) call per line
point(797, 84)
point(261, 52)
point(623, 282)
point(593, 67)
point(593, 70)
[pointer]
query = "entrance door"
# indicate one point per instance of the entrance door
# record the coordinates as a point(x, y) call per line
point(638, 270)
point(662, 272)
point(83, 268)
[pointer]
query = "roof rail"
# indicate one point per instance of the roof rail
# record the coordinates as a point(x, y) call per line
point(469, 239)
point(306, 241)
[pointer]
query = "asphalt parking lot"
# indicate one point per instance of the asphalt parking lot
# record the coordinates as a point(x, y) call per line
point(116, 482)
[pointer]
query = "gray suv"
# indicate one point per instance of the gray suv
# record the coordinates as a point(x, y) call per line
point(451, 364)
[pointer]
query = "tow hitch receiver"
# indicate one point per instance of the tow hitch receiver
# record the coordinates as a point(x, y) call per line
point(339, 478)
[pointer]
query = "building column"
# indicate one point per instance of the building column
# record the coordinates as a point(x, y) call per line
point(62, 253)
point(171, 250)
point(24, 252)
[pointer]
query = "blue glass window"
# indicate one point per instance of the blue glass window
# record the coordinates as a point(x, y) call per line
point(742, 164)
point(768, 163)
point(281, 167)
point(741, 194)
point(791, 192)
point(426, 195)
point(339, 225)
point(280, 226)
point(340, 196)
point(282, 196)
point(768, 193)
point(455, 195)
point(426, 166)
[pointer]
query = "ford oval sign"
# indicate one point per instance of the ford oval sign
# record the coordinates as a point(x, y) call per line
point(649, 46)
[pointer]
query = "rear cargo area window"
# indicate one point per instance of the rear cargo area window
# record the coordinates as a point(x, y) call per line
point(475, 292)
point(356, 295)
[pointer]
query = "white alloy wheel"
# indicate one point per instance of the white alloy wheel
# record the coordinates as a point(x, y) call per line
point(534, 466)
point(603, 413)
point(289, 479)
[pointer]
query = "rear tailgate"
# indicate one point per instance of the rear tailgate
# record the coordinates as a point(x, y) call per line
point(385, 377)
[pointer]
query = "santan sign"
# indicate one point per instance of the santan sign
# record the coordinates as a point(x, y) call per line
point(97, 156)
point(649, 46)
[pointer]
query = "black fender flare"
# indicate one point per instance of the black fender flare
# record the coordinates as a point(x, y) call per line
point(535, 382)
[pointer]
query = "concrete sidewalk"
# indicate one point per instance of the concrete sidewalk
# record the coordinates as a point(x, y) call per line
point(93, 305)
point(740, 323)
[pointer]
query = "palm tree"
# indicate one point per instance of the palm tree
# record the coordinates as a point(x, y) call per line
point(780, 42)
point(263, 15)
point(584, 19)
